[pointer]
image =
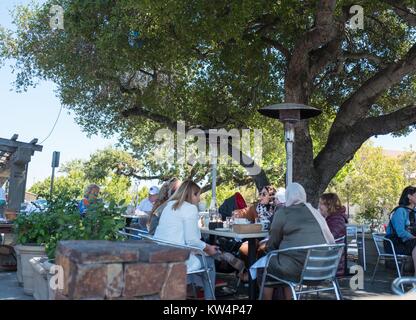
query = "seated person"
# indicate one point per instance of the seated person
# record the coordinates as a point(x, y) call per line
point(231, 204)
point(144, 209)
point(297, 224)
point(265, 207)
point(334, 213)
point(401, 228)
point(2, 200)
point(90, 197)
point(277, 202)
point(146, 205)
point(179, 224)
point(166, 191)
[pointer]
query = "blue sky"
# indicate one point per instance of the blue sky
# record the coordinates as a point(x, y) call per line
point(33, 113)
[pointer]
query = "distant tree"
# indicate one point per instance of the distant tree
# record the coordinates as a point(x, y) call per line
point(69, 186)
point(372, 181)
point(99, 169)
point(408, 161)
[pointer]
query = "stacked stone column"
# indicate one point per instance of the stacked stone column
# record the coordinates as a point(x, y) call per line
point(121, 270)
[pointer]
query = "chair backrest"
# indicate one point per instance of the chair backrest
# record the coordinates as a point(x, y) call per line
point(147, 236)
point(340, 240)
point(322, 262)
point(352, 231)
point(379, 242)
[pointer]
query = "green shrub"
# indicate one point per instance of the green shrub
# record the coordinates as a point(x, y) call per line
point(62, 221)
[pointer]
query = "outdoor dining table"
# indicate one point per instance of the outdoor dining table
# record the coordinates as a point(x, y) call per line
point(252, 250)
point(129, 217)
point(359, 229)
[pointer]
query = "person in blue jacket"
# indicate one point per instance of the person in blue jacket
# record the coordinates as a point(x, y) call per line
point(401, 229)
point(90, 197)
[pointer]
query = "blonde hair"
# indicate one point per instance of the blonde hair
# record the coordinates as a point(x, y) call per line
point(184, 193)
point(164, 194)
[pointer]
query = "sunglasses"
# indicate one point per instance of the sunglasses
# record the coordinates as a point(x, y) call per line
point(264, 194)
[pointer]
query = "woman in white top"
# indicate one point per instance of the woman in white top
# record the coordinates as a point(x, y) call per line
point(179, 224)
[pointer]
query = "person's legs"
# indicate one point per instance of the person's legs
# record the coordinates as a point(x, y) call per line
point(288, 293)
point(268, 293)
point(409, 248)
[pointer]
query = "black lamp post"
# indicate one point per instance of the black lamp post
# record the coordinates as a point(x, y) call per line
point(289, 114)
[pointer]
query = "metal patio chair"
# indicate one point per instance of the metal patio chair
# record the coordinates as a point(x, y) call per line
point(379, 239)
point(399, 283)
point(320, 267)
point(355, 244)
point(204, 270)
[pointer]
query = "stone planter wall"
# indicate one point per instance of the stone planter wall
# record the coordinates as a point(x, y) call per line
point(24, 254)
point(121, 270)
point(47, 265)
point(40, 281)
point(19, 275)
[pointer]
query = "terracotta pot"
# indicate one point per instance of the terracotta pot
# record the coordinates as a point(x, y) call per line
point(10, 214)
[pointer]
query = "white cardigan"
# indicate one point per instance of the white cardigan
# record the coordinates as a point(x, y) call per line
point(181, 226)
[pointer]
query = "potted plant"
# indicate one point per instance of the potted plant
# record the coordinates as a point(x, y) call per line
point(102, 222)
point(32, 231)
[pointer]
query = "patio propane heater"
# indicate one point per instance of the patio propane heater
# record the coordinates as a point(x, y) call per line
point(289, 114)
point(212, 136)
point(214, 159)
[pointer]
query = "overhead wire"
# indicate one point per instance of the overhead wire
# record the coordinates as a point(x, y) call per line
point(53, 127)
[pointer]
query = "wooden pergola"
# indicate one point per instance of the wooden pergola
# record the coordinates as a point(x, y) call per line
point(14, 161)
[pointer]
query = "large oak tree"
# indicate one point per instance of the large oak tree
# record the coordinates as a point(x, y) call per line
point(214, 63)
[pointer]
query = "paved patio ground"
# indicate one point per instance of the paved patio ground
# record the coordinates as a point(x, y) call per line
point(9, 289)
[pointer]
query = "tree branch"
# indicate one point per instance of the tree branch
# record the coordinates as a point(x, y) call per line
point(277, 45)
point(357, 105)
point(322, 57)
point(238, 182)
point(342, 145)
point(362, 55)
point(403, 11)
point(323, 31)
point(392, 122)
point(298, 79)
point(141, 112)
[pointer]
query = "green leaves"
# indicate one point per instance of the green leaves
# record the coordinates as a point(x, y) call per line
point(373, 181)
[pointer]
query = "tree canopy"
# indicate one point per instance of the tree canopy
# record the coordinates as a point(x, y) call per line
point(78, 174)
point(212, 64)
